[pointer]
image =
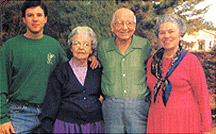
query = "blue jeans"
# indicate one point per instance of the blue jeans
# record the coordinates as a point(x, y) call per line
point(24, 118)
point(125, 115)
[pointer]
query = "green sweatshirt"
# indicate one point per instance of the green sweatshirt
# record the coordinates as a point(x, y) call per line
point(25, 68)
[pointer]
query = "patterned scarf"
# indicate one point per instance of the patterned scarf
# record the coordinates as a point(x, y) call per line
point(156, 70)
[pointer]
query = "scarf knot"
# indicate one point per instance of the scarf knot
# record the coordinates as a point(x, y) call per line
point(163, 80)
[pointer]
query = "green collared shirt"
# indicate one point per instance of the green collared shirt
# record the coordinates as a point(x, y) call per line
point(124, 75)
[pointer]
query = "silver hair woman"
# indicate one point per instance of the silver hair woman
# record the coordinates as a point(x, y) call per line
point(74, 90)
point(83, 30)
point(180, 102)
point(171, 18)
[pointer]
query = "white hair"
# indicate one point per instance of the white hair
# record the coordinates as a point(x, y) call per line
point(171, 18)
point(114, 16)
point(83, 30)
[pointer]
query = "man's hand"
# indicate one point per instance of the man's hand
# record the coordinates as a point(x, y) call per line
point(94, 62)
point(6, 128)
point(101, 98)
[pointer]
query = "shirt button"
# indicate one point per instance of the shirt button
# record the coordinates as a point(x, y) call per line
point(123, 75)
point(158, 102)
point(123, 59)
point(84, 98)
point(125, 91)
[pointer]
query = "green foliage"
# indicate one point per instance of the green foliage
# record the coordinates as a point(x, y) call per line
point(66, 15)
point(11, 22)
point(69, 14)
point(209, 26)
point(63, 16)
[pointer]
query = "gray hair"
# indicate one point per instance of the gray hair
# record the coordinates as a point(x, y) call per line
point(83, 30)
point(114, 16)
point(171, 18)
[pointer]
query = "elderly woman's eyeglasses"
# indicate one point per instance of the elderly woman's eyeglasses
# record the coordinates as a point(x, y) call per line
point(120, 24)
point(78, 44)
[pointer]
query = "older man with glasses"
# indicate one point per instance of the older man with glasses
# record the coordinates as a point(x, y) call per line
point(123, 57)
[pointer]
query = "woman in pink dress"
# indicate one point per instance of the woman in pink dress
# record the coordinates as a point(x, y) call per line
point(180, 101)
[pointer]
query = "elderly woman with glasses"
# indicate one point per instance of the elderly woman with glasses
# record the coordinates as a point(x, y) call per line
point(180, 100)
point(72, 102)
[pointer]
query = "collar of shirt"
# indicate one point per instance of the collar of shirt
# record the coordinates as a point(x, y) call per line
point(133, 45)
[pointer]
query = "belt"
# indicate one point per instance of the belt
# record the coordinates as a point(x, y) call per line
point(23, 103)
point(147, 98)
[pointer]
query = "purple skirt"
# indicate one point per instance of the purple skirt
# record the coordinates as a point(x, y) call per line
point(66, 127)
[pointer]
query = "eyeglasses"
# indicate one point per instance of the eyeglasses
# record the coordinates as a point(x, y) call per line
point(78, 44)
point(120, 24)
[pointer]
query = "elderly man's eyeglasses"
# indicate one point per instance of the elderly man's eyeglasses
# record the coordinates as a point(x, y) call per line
point(120, 24)
point(78, 44)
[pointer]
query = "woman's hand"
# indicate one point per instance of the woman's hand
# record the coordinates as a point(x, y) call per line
point(94, 62)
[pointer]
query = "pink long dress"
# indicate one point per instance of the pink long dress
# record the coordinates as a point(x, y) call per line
point(188, 108)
